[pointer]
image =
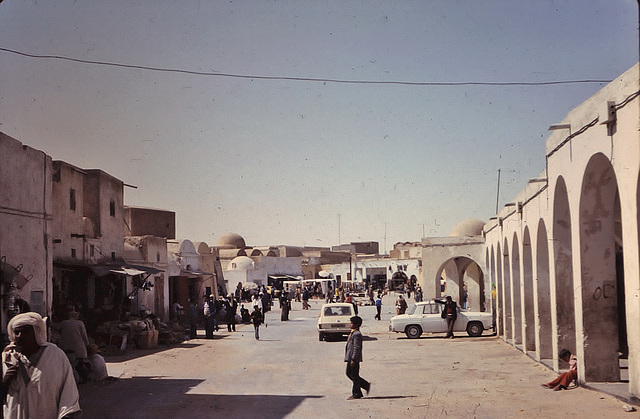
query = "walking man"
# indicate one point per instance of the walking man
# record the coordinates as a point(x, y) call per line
point(378, 307)
point(257, 318)
point(353, 358)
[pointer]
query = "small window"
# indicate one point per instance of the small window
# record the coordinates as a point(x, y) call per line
point(112, 208)
point(157, 256)
point(113, 255)
point(72, 199)
point(92, 250)
point(73, 253)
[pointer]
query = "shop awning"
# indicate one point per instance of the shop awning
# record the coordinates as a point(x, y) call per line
point(130, 270)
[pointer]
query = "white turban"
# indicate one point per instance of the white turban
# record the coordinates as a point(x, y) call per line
point(29, 319)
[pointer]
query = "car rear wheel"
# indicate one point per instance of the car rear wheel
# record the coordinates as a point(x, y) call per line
point(413, 331)
point(320, 336)
point(475, 329)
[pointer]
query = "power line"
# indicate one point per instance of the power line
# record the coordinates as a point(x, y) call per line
point(307, 79)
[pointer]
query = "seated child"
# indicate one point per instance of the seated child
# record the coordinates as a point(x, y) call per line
point(564, 379)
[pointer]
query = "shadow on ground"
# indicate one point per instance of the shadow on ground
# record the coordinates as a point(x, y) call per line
point(155, 397)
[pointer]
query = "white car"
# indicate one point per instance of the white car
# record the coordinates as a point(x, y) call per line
point(334, 319)
point(426, 317)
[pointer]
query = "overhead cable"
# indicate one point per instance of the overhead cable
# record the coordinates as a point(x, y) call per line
point(304, 79)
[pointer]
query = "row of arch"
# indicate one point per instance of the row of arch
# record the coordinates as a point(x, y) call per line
point(561, 278)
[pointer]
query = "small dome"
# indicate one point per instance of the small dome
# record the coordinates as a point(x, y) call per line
point(232, 240)
point(469, 227)
point(240, 263)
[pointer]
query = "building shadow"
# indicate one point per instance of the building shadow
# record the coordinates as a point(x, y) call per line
point(156, 397)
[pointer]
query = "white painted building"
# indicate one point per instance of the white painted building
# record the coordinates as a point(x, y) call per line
point(565, 254)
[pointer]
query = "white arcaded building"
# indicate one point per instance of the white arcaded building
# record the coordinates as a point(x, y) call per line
point(565, 253)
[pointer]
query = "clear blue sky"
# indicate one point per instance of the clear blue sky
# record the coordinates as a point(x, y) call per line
point(276, 161)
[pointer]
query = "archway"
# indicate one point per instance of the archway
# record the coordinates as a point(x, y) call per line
point(602, 272)
point(495, 309)
point(565, 311)
point(529, 333)
point(516, 292)
point(506, 282)
point(545, 344)
point(500, 292)
point(463, 273)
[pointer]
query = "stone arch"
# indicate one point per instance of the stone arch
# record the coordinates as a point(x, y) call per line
point(529, 329)
point(563, 263)
point(500, 292)
point(491, 264)
point(601, 271)
point(516, 291)
point(543, 284)
point(461, 271)
point(506, 295)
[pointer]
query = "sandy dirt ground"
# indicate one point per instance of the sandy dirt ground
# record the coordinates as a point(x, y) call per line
point(289, 373)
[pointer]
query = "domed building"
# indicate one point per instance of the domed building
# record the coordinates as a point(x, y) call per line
point(231, 241)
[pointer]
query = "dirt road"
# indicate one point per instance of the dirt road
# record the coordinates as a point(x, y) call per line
point(290, 374)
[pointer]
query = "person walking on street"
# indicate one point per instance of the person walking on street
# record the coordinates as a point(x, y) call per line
point(353, 358)
point(257, 318)
point(232, 310)
point(378, 307)
point(209, 315)
point(305, 299)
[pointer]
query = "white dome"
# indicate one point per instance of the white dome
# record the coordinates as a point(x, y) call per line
point(468, 227)
point(240, 263)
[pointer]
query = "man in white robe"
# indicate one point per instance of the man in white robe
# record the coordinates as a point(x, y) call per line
point(36, 375)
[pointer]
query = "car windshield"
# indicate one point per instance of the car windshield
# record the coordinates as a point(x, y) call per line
point(411, 310)
point(337, 311)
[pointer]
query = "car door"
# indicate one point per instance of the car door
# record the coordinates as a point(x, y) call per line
point(431, 320)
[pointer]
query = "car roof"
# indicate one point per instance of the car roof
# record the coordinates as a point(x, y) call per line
point(337, 305)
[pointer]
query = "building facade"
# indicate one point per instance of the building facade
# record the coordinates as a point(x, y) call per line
point(564, 256)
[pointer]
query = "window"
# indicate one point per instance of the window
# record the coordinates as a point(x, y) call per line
point(92, 250)
point(157, 256)
point(72, 199)
point(73, 253)
point(112, 208)
point(113, 255)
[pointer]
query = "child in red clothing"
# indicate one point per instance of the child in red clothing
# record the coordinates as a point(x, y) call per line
point(564, 379)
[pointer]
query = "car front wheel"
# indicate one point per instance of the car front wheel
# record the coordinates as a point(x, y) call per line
point(413, 331)
point(475, 329)
point(320, 336)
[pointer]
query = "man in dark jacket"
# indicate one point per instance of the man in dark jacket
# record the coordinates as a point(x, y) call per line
point(353, 358)
point(450, 314)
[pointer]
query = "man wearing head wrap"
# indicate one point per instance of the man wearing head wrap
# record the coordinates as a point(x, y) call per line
point(36, 375)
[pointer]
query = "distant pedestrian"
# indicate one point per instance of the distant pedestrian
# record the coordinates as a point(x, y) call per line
point(401, 305)
point(257, 318)
point(232, 310)
point(192, 314)
point(305, 299)
point(378, 307)
point(209, 317)
point(450, 314)
point(353, 358)
point(285, 305)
